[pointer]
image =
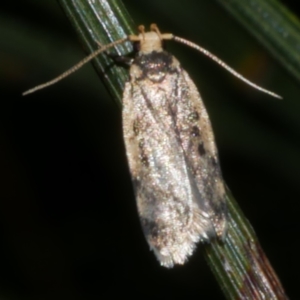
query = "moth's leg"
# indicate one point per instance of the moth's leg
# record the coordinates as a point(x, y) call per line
point(125, 60)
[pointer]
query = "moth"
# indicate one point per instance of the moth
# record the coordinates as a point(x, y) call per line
point(171, 150)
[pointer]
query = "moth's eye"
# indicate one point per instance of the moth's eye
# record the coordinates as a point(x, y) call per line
point(136, 46)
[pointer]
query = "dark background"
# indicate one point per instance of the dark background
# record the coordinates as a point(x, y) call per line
point(68, 222)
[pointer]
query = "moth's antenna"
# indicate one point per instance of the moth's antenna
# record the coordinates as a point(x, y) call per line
point(224, 65)
point(76, 67)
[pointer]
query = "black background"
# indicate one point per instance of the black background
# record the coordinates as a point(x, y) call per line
point(68, 222)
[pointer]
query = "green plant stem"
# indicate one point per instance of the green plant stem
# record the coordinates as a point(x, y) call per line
point(100, 23)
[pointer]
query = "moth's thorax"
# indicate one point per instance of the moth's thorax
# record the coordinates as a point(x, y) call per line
point(149, 42)
point(153, 66)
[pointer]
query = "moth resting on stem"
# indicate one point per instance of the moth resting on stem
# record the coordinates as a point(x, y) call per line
point(170, 147)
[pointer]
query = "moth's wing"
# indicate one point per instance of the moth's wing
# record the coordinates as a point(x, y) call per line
point(165, 191)
point(200, 150)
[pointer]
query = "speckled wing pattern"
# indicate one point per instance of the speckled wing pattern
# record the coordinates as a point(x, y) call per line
point(172, 157)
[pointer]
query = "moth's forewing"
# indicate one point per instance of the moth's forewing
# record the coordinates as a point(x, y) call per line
point(170, 148)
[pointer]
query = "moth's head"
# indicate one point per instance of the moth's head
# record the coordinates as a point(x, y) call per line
point(151, 40)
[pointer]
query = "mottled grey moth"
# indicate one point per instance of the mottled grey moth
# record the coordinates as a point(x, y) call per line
point(171, 149)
